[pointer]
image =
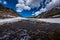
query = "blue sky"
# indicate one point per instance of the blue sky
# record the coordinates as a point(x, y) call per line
point(28, 8)
point(12, 4)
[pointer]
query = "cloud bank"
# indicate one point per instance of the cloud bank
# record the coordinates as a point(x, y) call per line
point(31, 4)
point(49, 6)
point(22, 6)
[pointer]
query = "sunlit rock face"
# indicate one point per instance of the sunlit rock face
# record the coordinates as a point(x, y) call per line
point(53, 13)
point(7, 13)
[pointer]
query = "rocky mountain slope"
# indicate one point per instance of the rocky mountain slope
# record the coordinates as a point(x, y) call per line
point(53, 13)
point(7, 13)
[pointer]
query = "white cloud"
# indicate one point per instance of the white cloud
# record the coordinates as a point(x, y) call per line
point(53, 4)
point(49, 6)
point(47, 1)
point(21, 1)
point(4, 2)
point(34, 3)
point(22, 6)
point(30, 4)
point(39, 12)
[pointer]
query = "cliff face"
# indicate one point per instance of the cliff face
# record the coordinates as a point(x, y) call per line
point(7, 13)
point(53, 13)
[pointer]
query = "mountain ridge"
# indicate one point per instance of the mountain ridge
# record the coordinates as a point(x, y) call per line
point(7, 12)
point(53, 13)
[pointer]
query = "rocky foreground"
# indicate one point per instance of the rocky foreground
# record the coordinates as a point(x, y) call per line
point(29, 30)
